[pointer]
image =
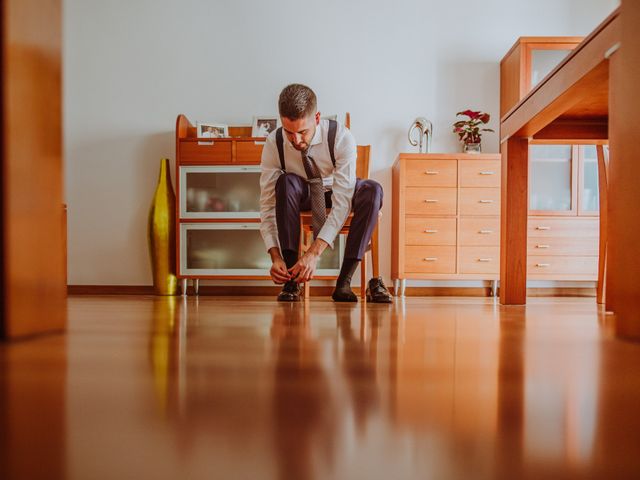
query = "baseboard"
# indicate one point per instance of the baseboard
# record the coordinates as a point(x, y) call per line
point(110, 290)
point(561, 292)
point(320, 291)
point(212, 290)
point(446, 291)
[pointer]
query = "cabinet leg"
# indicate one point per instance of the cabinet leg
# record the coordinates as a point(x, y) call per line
point(184, 287)
point(494, 288)
point(396, 287)
point(196, 285)
point(403, 286)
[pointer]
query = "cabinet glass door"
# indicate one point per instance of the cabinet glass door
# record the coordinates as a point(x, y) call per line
point(237, 249)
point(220, 192)
point(589, 192)
point(543, 61)
point(550, 178)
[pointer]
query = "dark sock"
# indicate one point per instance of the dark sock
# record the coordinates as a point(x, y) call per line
point(349, 266)
point(290, 257)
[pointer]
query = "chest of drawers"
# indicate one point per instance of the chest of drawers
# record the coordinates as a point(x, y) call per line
point(446, 223)
point(562, 248)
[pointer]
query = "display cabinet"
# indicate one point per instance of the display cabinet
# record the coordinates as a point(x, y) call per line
point(563, 213)
point(528, 61)
point(218, 211)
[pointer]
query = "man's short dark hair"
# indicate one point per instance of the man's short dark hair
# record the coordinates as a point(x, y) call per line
point(297, 101)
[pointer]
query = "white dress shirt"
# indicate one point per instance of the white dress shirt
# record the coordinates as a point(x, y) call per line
point(341, 179)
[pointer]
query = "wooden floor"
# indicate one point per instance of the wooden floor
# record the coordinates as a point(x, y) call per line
point(246, 388)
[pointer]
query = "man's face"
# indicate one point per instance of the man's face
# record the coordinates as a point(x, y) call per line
point(300, 132)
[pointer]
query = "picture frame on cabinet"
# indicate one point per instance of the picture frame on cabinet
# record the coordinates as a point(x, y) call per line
point(263, 125)
point(211, 130)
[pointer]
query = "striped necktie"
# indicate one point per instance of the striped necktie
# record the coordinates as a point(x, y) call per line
point(316, 188)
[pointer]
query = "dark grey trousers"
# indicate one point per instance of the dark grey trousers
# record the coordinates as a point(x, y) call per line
point(292, 197)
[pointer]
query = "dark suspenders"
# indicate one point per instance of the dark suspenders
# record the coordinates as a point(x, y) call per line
point(333, 128)
point(280, 144)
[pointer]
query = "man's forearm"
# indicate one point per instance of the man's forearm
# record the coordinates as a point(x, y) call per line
point(275, 254)
point(317, 247)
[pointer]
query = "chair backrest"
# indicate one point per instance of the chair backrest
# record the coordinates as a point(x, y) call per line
point(362, 162)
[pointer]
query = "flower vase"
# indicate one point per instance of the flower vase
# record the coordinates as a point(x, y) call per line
point(472, 148)
point(162, 234)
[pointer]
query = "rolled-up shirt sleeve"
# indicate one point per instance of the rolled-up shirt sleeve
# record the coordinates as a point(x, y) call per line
point(344, 183)
point(270, 171)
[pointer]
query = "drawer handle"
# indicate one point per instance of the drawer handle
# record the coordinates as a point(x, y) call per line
point(485, 232)
point(540, 227)
point(487, 173)
point(431, 200)
point(542, 246)
point(430, 259)
point(485, 201)
point(484, 259)
point(430, 231)
point(431, 172)
point(543, 265)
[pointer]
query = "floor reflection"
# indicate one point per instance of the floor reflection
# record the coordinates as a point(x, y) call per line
point(439, 388)
point(359, 332)
point(305, 413)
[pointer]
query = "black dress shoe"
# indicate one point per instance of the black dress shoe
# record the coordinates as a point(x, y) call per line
point(290, 292)
point(344, 294)
point(377, 292)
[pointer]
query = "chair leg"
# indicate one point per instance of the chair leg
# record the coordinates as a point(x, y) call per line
point(363, 276)
point(307, 285)
point(375, 265)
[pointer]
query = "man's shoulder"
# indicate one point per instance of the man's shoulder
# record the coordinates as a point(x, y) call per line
point(271, 138)
point(343, 134)
point(344, 138)
point(270, 150)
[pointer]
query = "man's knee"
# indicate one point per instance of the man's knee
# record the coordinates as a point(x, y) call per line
point(289, 183)
point(370, 191)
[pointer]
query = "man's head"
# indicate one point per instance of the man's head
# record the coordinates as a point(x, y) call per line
point(299, 114)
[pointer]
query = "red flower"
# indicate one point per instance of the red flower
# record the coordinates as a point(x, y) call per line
point(469, 113)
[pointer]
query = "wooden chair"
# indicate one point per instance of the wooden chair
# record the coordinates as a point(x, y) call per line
point(306, 233)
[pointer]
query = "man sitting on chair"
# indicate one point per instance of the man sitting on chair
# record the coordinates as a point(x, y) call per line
point(310, 164)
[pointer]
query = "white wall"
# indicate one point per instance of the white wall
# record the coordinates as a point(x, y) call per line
point(132, 65)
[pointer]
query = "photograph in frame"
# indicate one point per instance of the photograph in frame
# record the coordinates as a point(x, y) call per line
point(211, 130)
point(263, 125)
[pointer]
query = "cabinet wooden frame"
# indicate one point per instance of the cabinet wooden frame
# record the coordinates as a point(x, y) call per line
point(583, 89)
point(516, 73)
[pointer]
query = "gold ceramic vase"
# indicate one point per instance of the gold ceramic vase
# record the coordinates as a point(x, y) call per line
point(162, 234)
